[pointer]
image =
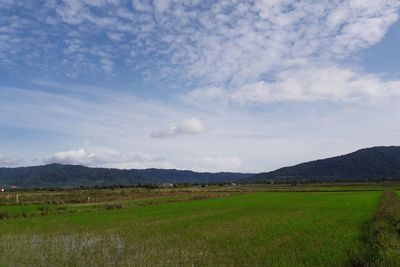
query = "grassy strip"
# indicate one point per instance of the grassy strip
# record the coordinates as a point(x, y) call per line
point(16, 211)
point(81, 196)
point(106, 195)
point(382, 235)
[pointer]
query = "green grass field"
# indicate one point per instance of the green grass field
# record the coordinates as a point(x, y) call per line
point(253, 229)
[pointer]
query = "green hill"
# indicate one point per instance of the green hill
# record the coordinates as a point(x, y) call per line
point(370, 164)
point(58, 175)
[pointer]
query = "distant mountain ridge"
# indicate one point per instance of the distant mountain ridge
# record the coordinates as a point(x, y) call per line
point(58, 175)
point(369, 164)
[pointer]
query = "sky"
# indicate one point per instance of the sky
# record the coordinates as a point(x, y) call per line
point(228, 85)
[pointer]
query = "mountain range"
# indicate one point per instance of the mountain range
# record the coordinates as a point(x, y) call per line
point(58, 175)
point(370, 164)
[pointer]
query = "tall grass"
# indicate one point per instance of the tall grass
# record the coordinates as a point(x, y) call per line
point(382, 235)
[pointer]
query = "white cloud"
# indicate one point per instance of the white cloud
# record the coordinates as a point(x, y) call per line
point(162, 5)
point(141, 5)
point(9, 161)
point(363, 24)
point(71, 157)
point(332, 84)
point(265, 138)
point(101, 157)
point(229, 42)
point(115, 36)
point(188, 127)
point(212, 93)
point(239, 53)
point(107, 65)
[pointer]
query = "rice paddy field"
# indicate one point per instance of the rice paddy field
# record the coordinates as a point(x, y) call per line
point(216, 226)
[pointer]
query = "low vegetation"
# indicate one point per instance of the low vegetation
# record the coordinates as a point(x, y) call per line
point(191, 228)
point(382, 235)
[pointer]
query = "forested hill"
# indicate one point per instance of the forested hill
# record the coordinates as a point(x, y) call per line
point(370, 164)
point(58, 175)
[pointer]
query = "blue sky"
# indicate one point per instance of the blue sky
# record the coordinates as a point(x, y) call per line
point(204, 85)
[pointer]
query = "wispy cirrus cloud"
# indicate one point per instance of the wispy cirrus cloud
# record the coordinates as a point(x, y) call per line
point(312, 84)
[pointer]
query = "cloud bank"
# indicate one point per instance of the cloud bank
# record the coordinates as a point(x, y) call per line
point(100, 157)
point(312, 84)
point(74, 157)
point(10, 161)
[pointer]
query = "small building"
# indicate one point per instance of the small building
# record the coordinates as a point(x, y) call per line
point(2, 189)
point(167, 185)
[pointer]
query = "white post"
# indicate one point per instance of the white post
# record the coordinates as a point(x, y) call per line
point(88, 199)
point(17, 198)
